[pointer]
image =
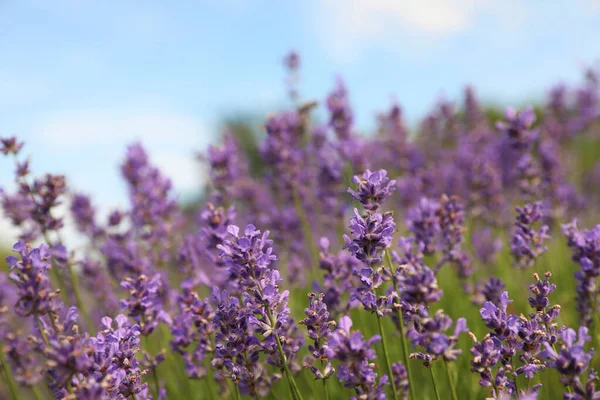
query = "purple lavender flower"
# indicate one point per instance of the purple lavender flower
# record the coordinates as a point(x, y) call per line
point(586, 251)
point(338, 279)
point(319, 331)
point(493, 290)
point(371, 235)
point(486, 247)
point(400, 377)
point(249, 257)
point(452, 227)
point(193, 328)
point(423, 222)
point(486, 355)
point(68, 354)
point(237, 350)
point(30, 275)
point(153, 206)
point(496, 318)
point(341, 116)
point(541, 290)
point(227, 167)
point(529, 176)
point(355, 353)
point(518, 127)
point(84, 215)
point(527, 243)
point(373, 189)
point(571, 360)
point(144, 302)
point(292, 63)
point(417, 282)
point(115, 363)
point(10, 145)
point(430, 334)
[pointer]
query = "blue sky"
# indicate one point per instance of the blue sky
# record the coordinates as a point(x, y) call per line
point(81, 79)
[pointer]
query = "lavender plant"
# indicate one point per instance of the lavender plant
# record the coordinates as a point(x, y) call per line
point(159, 301)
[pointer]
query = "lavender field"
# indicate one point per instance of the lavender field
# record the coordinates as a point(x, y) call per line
point(456, 260)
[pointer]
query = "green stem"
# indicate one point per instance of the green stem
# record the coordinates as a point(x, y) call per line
point(293, 388)
point(308, 236)
point(387, 357)
point(8, 374)
point(401, 322)
point(290, 378)
point(61, 284)
point(41, 328)
point(435, 389)
point(154, 374)
point(79, 299)
point(236, 390)
point(452, 388)
point(325, 390)
point(36, 393)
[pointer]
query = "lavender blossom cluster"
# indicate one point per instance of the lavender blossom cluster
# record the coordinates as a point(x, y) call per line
point(405, 243)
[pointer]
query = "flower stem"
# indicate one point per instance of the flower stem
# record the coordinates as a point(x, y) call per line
point(236, 390)
point(293, 387)
point(401, 322)
point(325, 384)
point(435, 389)
point(154, 375)
point(36, 393)
point(450, 380)
point(290, 378)
point(386, 356)
point(79, 299)
point(41, 328)
point(308, 236)
point(8, 374)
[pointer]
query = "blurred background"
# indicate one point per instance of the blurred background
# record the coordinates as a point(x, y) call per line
point(79, 80)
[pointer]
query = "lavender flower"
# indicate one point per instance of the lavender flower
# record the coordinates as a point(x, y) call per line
point(341, 116)
point(115, 364)
point(144, 302)
point(84, 215)
point(371, 235)
point(10, 145)
point(373, 189)
point(518, 127)
point(429, 334)
point(338, 279)
point(236, 349)
point(319, 331)
point(193, 328)
point(423, 222)
point(527, 243)
point(417, 282)
point(586, 251)
point(30, 275)
point(493, 290)
point(486, 247)
point(486, 355)
point(354, 353)
point(249, 256)
point(400, 377)
point(496, 318)
point(571, 360)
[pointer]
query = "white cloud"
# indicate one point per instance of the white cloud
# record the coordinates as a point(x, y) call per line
point(347, 27)
point(184, 170)
point(374, 17)
point(77, 128)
